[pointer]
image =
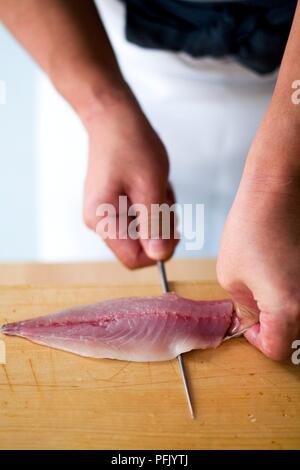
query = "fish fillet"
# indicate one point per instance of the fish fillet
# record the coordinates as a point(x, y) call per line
point(133, 329)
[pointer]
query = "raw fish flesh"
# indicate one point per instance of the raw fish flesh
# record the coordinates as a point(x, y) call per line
point(132, 329)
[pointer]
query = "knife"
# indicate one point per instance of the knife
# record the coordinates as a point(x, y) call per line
point(165, 285)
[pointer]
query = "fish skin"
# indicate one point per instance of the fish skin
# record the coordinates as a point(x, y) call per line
point(133, 329)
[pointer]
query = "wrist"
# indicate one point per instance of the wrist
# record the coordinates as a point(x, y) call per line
point(92, 93)
point(112, 113)
point(103, 102)
point(108, 107)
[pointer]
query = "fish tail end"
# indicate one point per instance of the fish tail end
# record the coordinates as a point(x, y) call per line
point(9, 328)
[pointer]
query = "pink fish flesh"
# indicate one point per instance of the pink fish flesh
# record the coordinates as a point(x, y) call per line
point(133, 329)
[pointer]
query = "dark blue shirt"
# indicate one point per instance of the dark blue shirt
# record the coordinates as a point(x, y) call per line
point(253, 32)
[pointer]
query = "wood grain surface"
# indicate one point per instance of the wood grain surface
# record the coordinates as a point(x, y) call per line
point(108, 273)
point(51, 399)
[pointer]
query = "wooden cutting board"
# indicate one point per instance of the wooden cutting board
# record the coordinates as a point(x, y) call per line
point(50, 399)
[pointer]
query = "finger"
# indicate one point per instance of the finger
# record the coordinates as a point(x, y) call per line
point(274, 335)
point(130, 252)
point(157, 223)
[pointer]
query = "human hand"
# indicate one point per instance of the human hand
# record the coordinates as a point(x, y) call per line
point(259, 259)
point(126, 157)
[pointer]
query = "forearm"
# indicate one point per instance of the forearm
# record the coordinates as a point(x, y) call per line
point(288, 73)
point(67, 39)
point(275, 153)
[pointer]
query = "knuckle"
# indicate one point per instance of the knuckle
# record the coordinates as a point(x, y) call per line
point(144, 182)
point(151, 183)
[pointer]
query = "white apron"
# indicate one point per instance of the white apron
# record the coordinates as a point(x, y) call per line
point(206, 112)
